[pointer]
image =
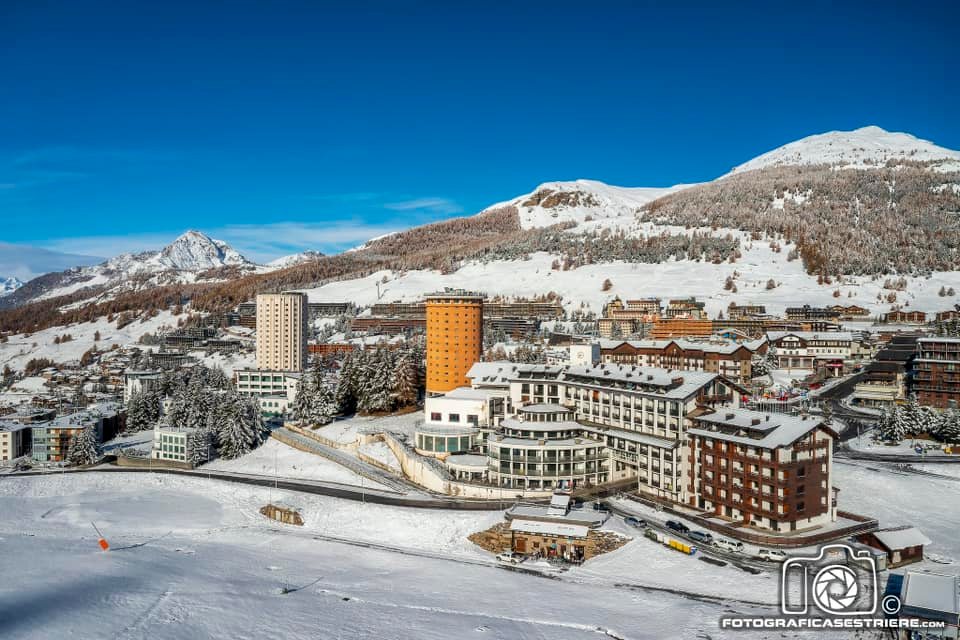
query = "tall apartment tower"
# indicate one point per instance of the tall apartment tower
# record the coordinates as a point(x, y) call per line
point(454, 338)
point(282, 331)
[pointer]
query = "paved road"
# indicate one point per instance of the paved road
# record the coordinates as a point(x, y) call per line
point(317, 487)
point(739, 560)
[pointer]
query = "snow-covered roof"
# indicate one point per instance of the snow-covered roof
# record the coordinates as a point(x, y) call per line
point(901, 538)
point(586, 517)
point(932, 591)
point(559, 504)
point(938, 340)
point(467, 393)
point(550, 528)
point(11, 426)
point(844, 336)
point(760, 429)
point(467, 461)
point(544, 408)
point(526, 442)
point(494, 373)
point(714, 346)
point(633, 436)
point(669, 383)
point(532, 425)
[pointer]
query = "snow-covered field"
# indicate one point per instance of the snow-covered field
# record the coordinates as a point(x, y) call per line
point(193, 558)
point(20, 348)
point(905, 499)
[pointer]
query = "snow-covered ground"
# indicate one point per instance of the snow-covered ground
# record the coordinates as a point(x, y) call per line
point(671, 279)
point(276, 458)
point(867, 146)
point(229, 362)
point(193, 558)
point(345, 431)
point(905, 499)
point(381, 452)
point(20, 348)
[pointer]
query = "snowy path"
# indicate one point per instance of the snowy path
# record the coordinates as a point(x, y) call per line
point(350, 462)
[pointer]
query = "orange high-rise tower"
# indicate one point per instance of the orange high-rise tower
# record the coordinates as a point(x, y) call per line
point(454, 338)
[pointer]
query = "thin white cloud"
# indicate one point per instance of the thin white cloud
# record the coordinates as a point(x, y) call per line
point(111, 246)
point(260, 243)
point(433, 205)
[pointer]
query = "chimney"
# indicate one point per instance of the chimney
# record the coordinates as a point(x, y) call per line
point(755, 421)
point(730, 416)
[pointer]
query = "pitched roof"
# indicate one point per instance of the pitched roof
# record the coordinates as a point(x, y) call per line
point(901, 538)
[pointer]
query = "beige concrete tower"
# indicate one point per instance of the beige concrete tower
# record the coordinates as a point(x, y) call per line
point(282, 331)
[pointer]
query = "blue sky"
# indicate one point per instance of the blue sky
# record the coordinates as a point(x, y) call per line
point(283, 126)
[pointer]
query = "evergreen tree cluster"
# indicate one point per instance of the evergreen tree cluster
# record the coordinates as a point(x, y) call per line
point(143, 411)
point(315, 403)
point(896, 218)
point(911, 419)
point(379, 380)
point(84, 448)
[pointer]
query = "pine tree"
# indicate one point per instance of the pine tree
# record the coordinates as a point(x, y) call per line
point(890, 426)
point(405, 382)
point(83, 447)
point(242, 429)
point(324, 407)
point(198, 446)
point(948, 426)
point(303, 401)
point(345, 394)
point(143, 411)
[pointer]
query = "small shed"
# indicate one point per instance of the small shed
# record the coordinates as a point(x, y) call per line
point(903, 545)
point(550, 539)
point(282, 513)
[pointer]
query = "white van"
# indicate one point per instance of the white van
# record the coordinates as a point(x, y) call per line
point(772, 555)
point(728, 545)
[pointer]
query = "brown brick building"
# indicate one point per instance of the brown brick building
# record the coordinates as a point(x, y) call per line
point(936, 378)
point(768, 471)
point(729, 359)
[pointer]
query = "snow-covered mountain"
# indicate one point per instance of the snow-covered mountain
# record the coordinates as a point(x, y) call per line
point(293, 259)
point(9, 285)
point(865, 147)
point(191, 253)
point(838, 223)
point(555, 202)
point(190, 256)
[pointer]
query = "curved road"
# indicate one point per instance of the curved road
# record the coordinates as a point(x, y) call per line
point(318, 487)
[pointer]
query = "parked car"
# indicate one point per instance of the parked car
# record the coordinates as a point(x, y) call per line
point(772, 555)
point(635, 522)
point(679, 527)
point(510, 557)
point(728, 545)
point(701, 537)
